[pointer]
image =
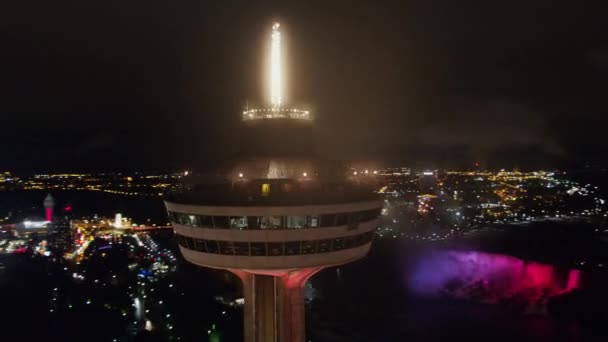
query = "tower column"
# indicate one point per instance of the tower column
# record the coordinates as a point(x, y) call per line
point(274, 305)
point(49, 204)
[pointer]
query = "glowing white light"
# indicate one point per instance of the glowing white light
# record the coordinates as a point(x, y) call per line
point(148, 326)
point(275, 66)
point(118, 220)
point(35, 224)
point(240, 175)
point(138, 308)
point(304, 174)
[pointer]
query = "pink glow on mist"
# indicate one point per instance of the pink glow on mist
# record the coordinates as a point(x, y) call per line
point(489, 277)
point(574, 278)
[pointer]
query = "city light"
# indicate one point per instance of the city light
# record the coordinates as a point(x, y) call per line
point(118, 220)
point(35, 224)
point(275, 67)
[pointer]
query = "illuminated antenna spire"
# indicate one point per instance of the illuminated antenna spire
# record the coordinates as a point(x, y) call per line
point(275, 67)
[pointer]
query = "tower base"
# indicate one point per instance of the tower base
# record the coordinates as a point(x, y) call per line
point(274, 305)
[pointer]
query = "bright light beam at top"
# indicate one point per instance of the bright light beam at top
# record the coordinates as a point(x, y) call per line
point(275, 67)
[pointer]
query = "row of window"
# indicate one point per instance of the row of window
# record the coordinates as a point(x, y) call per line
point(273, 248)
point(274, 222)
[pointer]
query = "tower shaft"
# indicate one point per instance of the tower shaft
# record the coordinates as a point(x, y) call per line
point(274, 305)
point(49, 204)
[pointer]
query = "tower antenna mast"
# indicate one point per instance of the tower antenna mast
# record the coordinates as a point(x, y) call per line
point(275, 67)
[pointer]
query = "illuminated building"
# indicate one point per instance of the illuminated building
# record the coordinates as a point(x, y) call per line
point(425, 203)
point(276, 217)
point(30, 228)
point(60, 233)
point(102, 225)
point(60, 236)
point(118, 220)
point(7, 180)
point(428, 182)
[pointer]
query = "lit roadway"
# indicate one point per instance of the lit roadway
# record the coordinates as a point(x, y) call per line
point(149, 228)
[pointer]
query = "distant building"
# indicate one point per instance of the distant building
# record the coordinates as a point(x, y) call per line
point(427, 182)
point(61, 233)
point(30, 228)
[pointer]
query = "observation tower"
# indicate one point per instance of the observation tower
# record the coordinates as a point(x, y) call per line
point(49, 205)
point(276, 216)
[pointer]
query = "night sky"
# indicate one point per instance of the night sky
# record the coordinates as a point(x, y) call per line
point(100, 85)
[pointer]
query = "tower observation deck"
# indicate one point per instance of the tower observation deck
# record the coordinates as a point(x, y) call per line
point(277, 217)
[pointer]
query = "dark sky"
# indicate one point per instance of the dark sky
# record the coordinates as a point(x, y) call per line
point(160, 84)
